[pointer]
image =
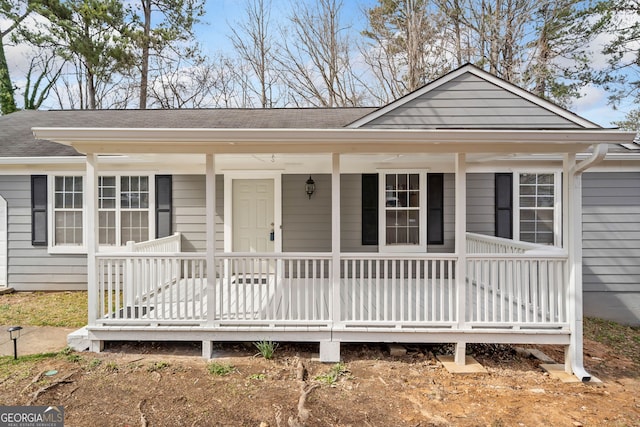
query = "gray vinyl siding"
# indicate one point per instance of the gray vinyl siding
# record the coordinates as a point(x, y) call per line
point(470, 102)
point(32, 267)
point(449, 245)
point(481, 203)
point(189, 211)
point(306, 223)
point(611, 245)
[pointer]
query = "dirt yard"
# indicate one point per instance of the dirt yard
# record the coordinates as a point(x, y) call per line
point(170, 385)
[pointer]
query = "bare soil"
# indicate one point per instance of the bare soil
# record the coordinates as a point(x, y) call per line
point(147, 384)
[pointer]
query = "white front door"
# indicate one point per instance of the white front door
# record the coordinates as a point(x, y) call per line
point(253, 215)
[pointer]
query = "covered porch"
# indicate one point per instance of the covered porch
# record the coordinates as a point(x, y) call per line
point(486, 289)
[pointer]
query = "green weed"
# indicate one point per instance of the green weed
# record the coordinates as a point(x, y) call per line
point(266, 348)
point(335, 372)
point(220, 369)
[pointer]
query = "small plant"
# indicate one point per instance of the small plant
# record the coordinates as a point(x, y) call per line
point(258, 377)
point(220, 369)
point(157, 366)
point(266, 348)
point(94, 363)
point(111, 366)
point(336, 371)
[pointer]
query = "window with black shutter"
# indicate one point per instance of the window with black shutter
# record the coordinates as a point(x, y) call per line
point(435, 208)
point(39, 210)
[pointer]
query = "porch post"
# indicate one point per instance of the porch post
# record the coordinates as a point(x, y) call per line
point(461, 251)
point(91, 187)
point(330, 350)
point(572, 243)
point(210, 216)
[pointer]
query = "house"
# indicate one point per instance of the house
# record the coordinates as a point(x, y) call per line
point(467, 211)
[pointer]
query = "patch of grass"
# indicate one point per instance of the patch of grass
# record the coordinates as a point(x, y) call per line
point(23, 365)
point(157, 366)
point(67, 309)
point(220, 369)
point(335, 372)
point(266, 348)
point(623, 339)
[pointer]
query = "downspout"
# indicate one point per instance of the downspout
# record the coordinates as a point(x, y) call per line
point(598, 156)
point(576, 350)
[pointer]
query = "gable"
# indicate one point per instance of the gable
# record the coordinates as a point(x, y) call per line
point(470, 98)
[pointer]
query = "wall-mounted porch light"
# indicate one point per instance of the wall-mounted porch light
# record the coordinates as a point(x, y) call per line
point(14, 334)
point(310, 187)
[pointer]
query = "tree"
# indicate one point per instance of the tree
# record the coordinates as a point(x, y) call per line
point(175, 25)
point(315, 57)
point(558, 53)
point(14, 12)
point(252, 40)
point(630, 122)
point(406, 47)
point(93, 35)
point(43, 74)
point(619, 20)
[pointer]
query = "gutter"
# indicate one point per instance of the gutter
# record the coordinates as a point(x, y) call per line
point(576, 357)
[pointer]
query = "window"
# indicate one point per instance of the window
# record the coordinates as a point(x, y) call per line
point(402, 209)
point(68, 214)
point(123, 211)
point(537, 208)
point(134, 213)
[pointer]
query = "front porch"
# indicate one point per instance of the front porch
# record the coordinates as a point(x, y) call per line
point(485, 289)
point(516, 296)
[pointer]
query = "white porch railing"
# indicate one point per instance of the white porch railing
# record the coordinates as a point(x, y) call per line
point(268, 289)
point(516, 290)
point(148, 288)
point(509, 289)
point(482, 244)
point(171, 243)
point(398, 290)
point(515, 283)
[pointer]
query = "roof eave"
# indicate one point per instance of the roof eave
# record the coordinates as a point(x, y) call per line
point(343, 140)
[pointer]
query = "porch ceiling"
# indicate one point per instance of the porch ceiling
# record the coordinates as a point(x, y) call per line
point(344, 141)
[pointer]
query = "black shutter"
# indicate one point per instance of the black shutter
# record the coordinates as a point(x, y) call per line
point(163, 205)
point(504, 205)
point(370, 209)
point(435, 208)
point(39, 210)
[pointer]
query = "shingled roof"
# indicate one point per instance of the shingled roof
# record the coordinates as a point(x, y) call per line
point(16, 138)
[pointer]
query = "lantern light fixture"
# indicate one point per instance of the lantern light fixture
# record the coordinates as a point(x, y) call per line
point(310, 187)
